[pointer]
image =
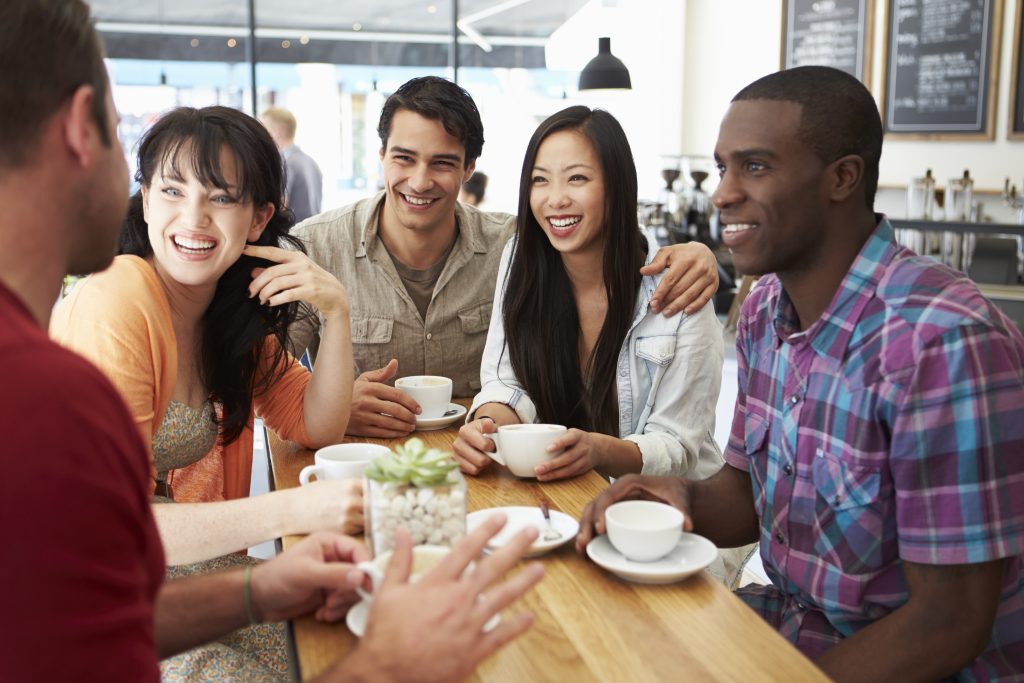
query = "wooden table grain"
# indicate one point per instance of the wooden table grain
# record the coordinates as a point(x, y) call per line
point(590, 625)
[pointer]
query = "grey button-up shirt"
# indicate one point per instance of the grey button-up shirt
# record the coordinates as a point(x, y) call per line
point(385, 322)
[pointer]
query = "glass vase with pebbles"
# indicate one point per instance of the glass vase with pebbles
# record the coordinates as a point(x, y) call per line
point(416, 488)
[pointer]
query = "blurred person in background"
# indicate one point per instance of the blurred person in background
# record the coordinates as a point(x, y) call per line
point(473, 190)
point(303, 179)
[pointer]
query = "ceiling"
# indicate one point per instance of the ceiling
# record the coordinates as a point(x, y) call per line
point(513, 18)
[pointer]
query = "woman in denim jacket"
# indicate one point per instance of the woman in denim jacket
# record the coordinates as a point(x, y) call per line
point(572, 340)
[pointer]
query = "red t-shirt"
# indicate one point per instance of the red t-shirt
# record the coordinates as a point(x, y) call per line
point(80, 558)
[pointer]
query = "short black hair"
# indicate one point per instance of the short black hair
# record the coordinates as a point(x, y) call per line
point(436, 98)
point(838, 115)
point(48, 49)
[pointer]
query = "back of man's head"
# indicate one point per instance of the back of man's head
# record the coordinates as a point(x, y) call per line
point(439, 99)
point(281, 123)
point(838, 115)
point(48, 48)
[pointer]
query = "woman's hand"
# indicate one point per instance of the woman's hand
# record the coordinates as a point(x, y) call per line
point(331, 505)
point(295, 278)
point(581, 451)
point(471, 446)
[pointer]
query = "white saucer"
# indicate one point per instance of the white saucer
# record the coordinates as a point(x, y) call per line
point(691, 555)
point(356, 619)
point(522, 518)
point(429, 424)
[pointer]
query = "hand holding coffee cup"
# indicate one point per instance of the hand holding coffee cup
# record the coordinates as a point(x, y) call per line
point(432, 392)
point(341, 461)
point(522, 447)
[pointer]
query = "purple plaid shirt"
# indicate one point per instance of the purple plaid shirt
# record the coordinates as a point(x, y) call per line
point(891, 429)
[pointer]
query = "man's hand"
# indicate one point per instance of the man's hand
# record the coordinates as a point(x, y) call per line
point(433, 630)
point(689, 283)
point(670, 490)
point(380, 410)
point(471, 446)
point(316, 574)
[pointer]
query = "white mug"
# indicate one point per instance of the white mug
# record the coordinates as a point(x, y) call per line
point(432, 392)
point(424, 558)
point(643, 530)
point(341, 461)
point(522, 447)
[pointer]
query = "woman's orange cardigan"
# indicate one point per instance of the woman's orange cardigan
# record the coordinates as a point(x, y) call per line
point(120, 319)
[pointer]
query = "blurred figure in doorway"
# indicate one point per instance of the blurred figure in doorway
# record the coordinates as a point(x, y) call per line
point(473, 189)
point(303, 179)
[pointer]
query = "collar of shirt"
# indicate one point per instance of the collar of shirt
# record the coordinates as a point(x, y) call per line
point(470, 235)
point(829, 336)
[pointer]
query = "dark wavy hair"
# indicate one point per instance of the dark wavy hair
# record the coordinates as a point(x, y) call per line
point(234, 328)
point(539, 297)
point(436, 98)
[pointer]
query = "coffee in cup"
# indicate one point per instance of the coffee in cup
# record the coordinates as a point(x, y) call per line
point(643, 530)
point(432, 392)
point(522, 447)
point(341, 461)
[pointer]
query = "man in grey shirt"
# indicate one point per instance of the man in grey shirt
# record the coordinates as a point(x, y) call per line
point(420, 267)
point(303, 180)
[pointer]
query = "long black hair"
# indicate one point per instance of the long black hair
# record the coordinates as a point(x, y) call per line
point(540, 316)
point(234, 328)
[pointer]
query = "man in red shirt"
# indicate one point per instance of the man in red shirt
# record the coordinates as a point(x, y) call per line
point(82, 564)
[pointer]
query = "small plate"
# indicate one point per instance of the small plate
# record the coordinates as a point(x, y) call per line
point(522, 518)
point(691, 555)
point(357, 614)
point(431, 423)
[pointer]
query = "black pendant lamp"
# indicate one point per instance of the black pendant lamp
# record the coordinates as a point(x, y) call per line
point(605, 71)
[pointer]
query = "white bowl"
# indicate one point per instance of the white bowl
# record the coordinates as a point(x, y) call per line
point(643, 530)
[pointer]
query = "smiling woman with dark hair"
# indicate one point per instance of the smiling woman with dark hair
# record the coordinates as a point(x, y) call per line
point(573, 341)
point(189, 324)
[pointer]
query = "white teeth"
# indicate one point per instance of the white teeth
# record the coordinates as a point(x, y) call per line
point(193, 246)
point(739, 227)
point(565, 222)
point(417, 201)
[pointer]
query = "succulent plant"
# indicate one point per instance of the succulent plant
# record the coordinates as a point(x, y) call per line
point(413, 463)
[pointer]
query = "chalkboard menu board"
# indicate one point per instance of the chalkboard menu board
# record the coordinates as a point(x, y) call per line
point(1016, 131)
point(941, 66)
point(827, 33)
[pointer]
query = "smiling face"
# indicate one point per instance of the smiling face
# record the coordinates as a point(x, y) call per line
point(424, 168)
point(567, 193)
point(773, 192)
point(198, 231)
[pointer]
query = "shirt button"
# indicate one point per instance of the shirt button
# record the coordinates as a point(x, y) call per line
point(429, 336)
point(800, 605)
point(788, 469)
point(779, 538)
point(794, 399)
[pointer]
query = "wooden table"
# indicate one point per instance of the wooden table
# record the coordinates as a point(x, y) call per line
point(590, 625)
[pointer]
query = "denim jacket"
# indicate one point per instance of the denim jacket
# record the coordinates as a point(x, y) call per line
point(669, 375)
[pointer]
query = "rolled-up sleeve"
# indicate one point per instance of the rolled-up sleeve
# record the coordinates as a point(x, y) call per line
point(677, 437)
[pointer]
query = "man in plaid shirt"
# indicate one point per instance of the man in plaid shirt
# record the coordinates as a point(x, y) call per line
point(877, 448)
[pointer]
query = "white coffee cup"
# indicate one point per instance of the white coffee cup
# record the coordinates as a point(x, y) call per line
point(424, 558)
point(522, 447)
point(432, 392)
point(341, 461)
point(643, 530)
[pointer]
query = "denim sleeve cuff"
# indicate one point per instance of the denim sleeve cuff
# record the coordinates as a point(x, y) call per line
point(512, 397)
